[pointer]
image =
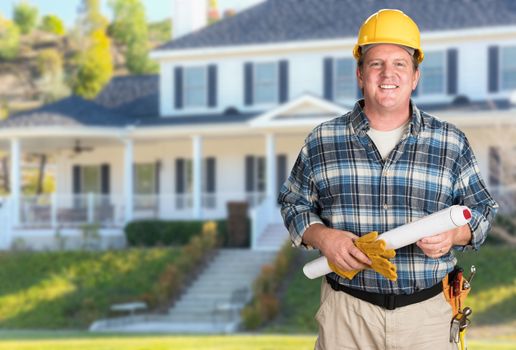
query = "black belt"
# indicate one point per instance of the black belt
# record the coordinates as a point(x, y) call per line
point(388, 301)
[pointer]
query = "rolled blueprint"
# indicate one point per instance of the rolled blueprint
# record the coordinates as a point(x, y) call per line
point(438, 222)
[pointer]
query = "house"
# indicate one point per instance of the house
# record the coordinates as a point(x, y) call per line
point(232, 104)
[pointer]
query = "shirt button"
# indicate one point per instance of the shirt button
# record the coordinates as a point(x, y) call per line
point(385, 206)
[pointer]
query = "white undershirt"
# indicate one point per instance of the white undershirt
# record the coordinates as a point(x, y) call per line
point(385, 141)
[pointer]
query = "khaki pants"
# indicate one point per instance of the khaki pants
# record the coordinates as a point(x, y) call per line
point(346, 322)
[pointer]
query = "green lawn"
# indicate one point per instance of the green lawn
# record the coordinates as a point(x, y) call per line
point(492, 298)
point(85, 341)
point(72, 289)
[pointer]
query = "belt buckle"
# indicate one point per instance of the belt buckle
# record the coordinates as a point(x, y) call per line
point(390, 301)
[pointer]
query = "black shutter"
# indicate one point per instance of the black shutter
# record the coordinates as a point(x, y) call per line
point(328, 78)
point(157, 176)
point(492, 79)
point(210, 175)
point(180, 176)
point(212, 85)
point(281, 168)
point(283, 81)
point(76, 176)
point(248, 84)
point(452, 80)
point(249, 174)
point(104, 178)
point(178, 87)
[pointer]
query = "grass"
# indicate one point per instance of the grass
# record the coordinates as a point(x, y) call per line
point(493, 295)
point(72, 289)
point(88, 341)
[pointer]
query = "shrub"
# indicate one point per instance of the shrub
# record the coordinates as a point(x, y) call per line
point(265, 304)
point(150, 233)
point(52, 24)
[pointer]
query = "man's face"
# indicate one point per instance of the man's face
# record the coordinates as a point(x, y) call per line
point(387, 78)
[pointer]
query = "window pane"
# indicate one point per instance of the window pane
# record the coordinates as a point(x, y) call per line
point(189, 176)
point(345, 78)
point(265, 83)
point(145, 178)
point(260, 174)
point(91, 179)
point(195, 87)
point(432, 73)
point(508, 68)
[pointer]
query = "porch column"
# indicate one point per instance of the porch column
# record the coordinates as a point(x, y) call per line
point(197, 176)
point(128, 180)
point(271, 167)
point(15, 181)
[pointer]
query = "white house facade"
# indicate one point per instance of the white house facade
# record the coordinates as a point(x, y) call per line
point(225, 118)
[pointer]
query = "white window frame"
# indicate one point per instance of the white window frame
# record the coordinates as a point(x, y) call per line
point(502, 71)
point(354, 89)
point(200, 86)
point(421, 89)
point(272, 85)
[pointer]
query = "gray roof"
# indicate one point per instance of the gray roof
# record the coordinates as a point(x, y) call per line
point(125, 100)
point(70, 111)
point(134, 95)
point(275, 21)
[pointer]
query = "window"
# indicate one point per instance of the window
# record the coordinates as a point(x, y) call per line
point(345, 81)
point(265, 83)
point(195, 87)
point(508, 68)
point(432, 74)
point(91, 182)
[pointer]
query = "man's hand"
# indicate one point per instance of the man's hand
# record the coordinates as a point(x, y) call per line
point(337, 246)
point(440, 244)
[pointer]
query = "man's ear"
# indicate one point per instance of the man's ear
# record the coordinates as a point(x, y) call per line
point(416, 79)
point(360, 81)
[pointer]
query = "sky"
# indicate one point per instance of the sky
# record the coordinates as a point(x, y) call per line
point(155, 9)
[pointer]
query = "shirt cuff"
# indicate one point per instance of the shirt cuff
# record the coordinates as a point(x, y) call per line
point(299, 225)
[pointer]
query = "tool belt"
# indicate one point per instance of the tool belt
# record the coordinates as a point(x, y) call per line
point(388, 301)
point(454, 291)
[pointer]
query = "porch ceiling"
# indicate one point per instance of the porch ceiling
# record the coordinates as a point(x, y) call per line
point(57, 144)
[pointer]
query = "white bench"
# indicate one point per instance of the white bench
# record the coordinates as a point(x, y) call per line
point(131, 308)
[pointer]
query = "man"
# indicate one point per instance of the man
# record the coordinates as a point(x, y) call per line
point(382, 165)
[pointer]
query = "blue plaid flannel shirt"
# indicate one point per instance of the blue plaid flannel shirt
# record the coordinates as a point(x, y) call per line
point(340, 180)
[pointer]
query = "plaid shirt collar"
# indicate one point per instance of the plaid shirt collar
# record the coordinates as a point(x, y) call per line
point(360, 123)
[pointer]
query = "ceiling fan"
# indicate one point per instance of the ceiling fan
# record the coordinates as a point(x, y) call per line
point(78, 148)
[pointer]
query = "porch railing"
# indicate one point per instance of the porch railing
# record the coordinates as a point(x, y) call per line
point(68, 210)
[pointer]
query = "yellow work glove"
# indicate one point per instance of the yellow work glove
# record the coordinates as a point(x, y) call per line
point(376, 252)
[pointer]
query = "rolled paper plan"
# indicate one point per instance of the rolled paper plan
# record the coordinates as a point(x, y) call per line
point(438, 222)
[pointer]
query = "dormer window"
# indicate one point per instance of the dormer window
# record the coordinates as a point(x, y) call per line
point(433, 74)
point(195, 87)
point(265, 83)
point(508, 68)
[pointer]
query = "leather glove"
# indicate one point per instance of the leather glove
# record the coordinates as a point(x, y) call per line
point(376, 252)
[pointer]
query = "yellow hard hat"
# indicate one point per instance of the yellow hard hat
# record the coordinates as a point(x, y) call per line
point(389, 27)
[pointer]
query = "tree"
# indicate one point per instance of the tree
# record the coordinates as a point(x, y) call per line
point(52, 24)
point(25, 16)
point(89, 18)
point(51, 81)
point(9, 39)
point(95, 66)
point(129, 28)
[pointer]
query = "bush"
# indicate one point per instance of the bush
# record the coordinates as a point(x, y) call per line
point(52, 24)
point(265, 304)
point(25, 16)
point(151, 233)
point(9, 39)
